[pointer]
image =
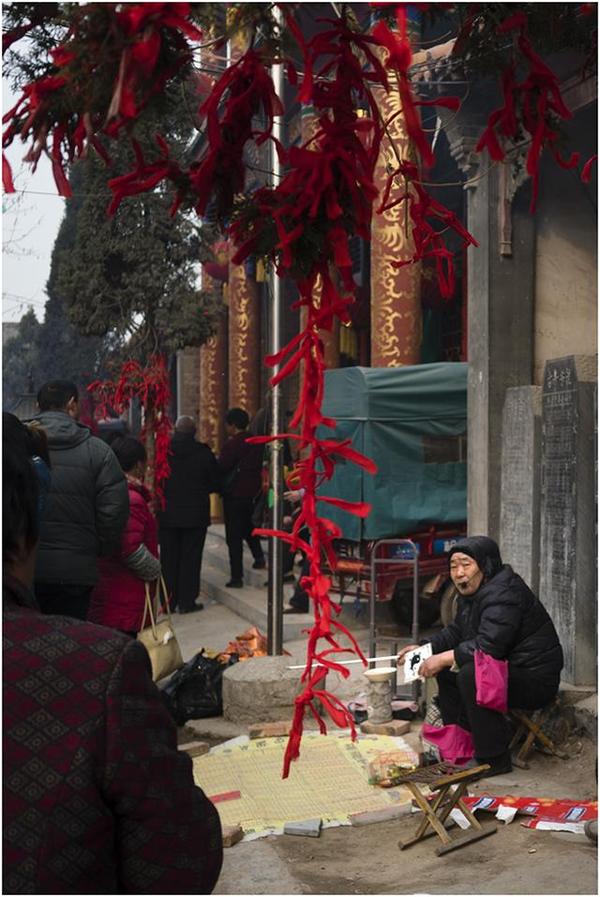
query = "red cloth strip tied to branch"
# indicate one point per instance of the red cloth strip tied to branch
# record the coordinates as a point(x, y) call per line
point(428, 242)
point(138, 47)
point(315, 469)
point(150, 385)
point(244, 91)
point(534, 104)
point(328, 186)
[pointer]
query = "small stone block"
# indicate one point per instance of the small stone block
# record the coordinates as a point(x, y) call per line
point(232, 834)
point(195, 748)
point(383, 815)
point(270, 730)
point(311, 828)
point(393, 727)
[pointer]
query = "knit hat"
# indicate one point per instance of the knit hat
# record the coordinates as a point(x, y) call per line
point(483, 550)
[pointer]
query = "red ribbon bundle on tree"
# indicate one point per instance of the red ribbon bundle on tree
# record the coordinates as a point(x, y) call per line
point(137, 47)
point(534, 104)
point(150, 386)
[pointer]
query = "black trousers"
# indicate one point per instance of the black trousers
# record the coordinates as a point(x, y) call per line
point(67, 600)
point(490, 729)
point(238, 527)
point(300, 599)
point(181, 560)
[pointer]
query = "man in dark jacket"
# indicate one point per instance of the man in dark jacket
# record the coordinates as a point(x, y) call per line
point(498, 614)
point(96, 796)
point(240, 463)
point(86, 507)
point(186, 517)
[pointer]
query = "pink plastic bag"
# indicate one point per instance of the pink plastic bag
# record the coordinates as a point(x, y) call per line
point(453, 742)
point(491, 682)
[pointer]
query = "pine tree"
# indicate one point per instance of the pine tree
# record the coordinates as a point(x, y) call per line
point(53, 349)
point(134, 277)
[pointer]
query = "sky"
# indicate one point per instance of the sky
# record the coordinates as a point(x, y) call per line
point(30, 222)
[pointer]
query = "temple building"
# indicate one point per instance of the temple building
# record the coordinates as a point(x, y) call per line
point(523, 315)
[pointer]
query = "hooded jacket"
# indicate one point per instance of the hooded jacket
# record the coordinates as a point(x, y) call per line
point(194, 475)
point(504, 619)
point(86, 506)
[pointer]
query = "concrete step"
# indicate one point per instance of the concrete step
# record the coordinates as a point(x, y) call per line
point(215, 552)
point(250, 603)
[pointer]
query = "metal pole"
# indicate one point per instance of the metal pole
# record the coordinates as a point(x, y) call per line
point(275, 588)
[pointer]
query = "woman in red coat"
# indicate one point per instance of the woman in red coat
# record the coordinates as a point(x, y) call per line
point(119, 598)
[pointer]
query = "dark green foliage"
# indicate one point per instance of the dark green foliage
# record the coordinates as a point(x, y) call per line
point(134, 277)
point(18, 360)
point(51, 350)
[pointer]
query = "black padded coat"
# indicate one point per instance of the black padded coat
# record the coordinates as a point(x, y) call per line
point(194, 475)
point(504, 619)
point(87, 504)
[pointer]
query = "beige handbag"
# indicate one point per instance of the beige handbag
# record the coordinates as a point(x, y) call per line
point(159, 639)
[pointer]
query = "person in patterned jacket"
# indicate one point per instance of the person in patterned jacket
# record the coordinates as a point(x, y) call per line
point(96, 797)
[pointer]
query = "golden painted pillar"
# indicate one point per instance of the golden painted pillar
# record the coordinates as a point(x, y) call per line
point(213, 387)
point(244, 308)
point(212, 401)
point(396, 320)
point(244, 341)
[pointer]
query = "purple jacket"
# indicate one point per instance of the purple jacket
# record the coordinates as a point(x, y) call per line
point(97, 799)
point(245, 459)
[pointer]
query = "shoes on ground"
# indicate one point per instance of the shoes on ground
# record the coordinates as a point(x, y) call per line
point(192, 609)
point(294, 610)
point(259, 565)
point(235, 584)
point(591, 830)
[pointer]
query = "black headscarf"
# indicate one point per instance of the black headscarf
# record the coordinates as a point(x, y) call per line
point(483, 550)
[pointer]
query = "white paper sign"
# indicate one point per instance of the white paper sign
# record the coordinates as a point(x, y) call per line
point(413, 660)
point(506, 814)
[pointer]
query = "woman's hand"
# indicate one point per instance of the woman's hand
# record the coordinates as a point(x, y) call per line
point(404, 652)
point(435, 664)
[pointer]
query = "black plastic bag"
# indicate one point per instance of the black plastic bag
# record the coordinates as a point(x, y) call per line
point(195, 690)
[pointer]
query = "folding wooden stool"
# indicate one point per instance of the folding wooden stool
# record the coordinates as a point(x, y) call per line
point(442, 778)
point(529, 728)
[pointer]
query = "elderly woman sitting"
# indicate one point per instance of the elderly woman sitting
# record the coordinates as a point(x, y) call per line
point(498, 614)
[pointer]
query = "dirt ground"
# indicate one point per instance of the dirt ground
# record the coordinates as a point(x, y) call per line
point(366, 860)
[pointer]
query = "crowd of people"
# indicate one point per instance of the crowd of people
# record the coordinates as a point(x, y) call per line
point(97, 797)
point(96, 794)
point(90, 751)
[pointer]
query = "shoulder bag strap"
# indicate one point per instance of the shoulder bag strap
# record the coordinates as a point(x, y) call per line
point(148, 610)
point(161, 585)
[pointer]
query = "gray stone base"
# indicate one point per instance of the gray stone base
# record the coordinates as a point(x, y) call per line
point(260, 690)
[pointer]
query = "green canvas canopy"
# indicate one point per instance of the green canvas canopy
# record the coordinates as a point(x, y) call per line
point(412, 422)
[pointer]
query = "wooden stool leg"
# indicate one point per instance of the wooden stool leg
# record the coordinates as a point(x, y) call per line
point(439, 809)
point(521, 729)
point(466, 839)
point(429, 820)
